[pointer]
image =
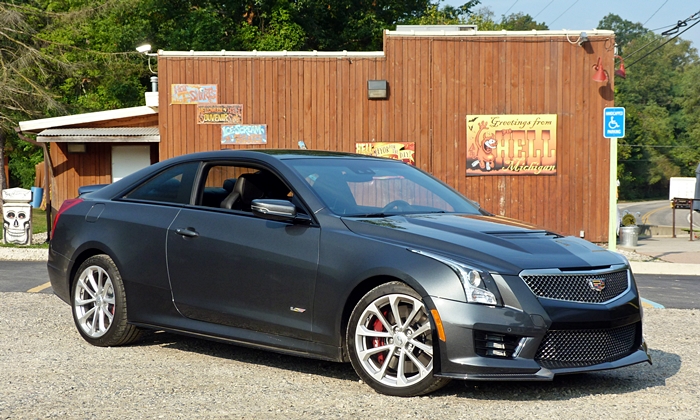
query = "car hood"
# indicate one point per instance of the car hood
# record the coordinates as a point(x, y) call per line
point(494, 243)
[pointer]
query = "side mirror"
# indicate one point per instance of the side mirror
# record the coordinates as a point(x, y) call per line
point(280, 210)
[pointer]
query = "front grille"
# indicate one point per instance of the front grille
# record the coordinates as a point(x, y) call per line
point(575, 348)
point(578, 287)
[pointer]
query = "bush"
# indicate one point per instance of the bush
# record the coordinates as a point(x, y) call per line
point(629, 220)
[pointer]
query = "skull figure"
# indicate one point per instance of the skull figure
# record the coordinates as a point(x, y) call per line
point(17, 225)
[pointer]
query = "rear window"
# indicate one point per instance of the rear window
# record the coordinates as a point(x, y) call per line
point(174, 185)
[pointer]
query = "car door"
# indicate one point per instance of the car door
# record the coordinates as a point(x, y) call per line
point(229, 267)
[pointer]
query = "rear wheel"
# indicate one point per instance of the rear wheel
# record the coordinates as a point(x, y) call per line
point(99, 304)
point(390, 342)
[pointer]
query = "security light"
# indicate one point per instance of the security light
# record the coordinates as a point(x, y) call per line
point(144, 49)
point(582, 39)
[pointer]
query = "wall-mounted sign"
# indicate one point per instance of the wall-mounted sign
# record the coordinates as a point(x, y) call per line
point(399, 150)
point(511, 144)
point(219, 114)
point(184, 94)
point(614, 122)
point(244, 134)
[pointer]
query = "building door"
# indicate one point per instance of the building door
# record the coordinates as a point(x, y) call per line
point(129, 159)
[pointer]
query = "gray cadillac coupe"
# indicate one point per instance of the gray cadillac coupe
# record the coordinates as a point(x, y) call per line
point(345, 258)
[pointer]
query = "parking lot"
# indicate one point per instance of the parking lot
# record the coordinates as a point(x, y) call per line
point(48, 371)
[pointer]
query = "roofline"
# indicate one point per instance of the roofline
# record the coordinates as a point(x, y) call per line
point(34, 126)
point(284, 53)
point(503, 33)
point(450, 31)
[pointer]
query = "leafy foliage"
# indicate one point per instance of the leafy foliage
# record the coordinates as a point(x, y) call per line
point(660, 95)
point(485, 21)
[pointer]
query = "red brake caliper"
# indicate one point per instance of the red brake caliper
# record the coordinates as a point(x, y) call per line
point(378, 342)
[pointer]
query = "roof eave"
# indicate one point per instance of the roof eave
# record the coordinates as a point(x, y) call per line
point(36, 126)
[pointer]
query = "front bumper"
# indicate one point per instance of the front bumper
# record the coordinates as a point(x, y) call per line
point(612, 330)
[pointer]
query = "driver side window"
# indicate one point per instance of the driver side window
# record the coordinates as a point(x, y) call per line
point(234, 187)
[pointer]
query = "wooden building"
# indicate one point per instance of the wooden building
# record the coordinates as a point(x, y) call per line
point(435, 80)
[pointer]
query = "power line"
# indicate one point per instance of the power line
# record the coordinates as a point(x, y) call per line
point(667, 41)
point(511, 6)
point(654, 14)
point(538, 13)
point(663, 27)
point(552, 23)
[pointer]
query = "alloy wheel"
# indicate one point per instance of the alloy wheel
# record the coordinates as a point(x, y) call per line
point(393, 341)
point(94, 302)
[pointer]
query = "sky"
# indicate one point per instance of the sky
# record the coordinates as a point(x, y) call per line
point(585, 14)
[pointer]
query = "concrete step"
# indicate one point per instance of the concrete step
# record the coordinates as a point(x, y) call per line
point(650, 231)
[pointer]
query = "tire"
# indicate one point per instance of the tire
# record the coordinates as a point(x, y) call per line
point(394, 358)
point(98, 301)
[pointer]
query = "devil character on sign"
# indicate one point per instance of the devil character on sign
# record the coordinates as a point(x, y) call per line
point(485, 146)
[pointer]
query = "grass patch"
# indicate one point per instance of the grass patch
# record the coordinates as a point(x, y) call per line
point(39, 226)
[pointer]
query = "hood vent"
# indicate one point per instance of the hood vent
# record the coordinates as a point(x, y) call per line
point(531, 234)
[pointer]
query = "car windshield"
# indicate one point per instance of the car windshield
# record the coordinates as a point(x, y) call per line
point(376, 188)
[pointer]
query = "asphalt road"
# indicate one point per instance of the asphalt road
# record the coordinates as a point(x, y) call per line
point(23, 276)
point(678, 292)
point(660, 213)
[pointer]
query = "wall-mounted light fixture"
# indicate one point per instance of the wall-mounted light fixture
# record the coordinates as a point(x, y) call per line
point(144, 49)
point(601, 75)
point(582, 39)
point(76, 148)
point(377, 89)
point(621, 71)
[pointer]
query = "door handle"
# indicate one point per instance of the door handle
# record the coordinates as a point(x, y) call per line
point(188, 232)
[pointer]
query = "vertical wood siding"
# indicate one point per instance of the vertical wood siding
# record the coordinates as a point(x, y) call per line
point(434, 83)
point(73, 170)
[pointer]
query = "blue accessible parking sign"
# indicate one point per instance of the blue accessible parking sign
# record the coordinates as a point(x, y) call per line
point(614, 122)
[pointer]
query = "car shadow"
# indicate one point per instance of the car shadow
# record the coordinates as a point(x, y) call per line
point(343, 371)
point(617, 381)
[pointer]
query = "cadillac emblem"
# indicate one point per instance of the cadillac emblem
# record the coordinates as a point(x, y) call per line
point(597, 284)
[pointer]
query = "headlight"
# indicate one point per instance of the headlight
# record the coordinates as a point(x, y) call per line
point(473, 279)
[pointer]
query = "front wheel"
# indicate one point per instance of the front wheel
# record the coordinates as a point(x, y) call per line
point(99, 304)
point(390, 342)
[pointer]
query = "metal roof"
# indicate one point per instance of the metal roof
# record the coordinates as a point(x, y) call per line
point(34, 126)
point(101, 135)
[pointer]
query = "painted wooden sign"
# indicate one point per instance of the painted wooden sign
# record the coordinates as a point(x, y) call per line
point(244, 134)
point(219, 114)
point(511, 144)
point(187, 94)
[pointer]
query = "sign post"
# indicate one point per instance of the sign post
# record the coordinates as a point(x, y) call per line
point(613, 128)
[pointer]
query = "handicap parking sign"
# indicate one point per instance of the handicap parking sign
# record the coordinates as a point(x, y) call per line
point(614, 122)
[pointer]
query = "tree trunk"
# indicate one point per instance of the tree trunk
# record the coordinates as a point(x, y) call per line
point(3, 181)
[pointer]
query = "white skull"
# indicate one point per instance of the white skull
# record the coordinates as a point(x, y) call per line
point(17, 224)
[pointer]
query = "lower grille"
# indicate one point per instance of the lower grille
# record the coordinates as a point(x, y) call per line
point(576, 348)
point(490, 344)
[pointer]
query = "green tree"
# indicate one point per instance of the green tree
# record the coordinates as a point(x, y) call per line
point(485, 21)
point(447, 15)
point(24, 73)
point(660, 95)
point(625, 30)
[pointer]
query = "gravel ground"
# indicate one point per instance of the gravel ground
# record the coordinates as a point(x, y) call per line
point(26, 254)
point(48, 371)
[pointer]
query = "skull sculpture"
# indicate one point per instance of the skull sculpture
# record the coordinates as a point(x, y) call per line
point(17, 224)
